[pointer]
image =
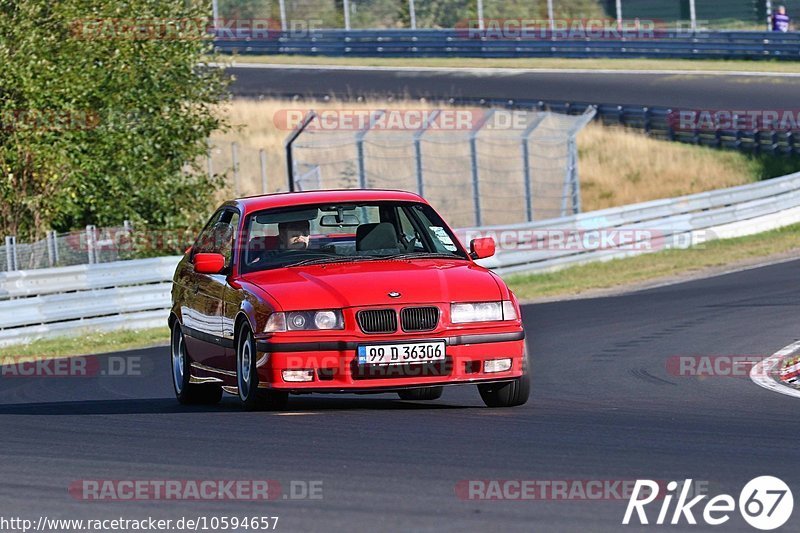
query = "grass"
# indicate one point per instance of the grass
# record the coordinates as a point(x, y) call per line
point(617, 166)
point(778, 67)
point(96, 343)
point(653, 266)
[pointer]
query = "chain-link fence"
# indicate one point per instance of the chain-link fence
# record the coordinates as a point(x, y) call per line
point(304, 15)
point(477, 166)
point(90, 246)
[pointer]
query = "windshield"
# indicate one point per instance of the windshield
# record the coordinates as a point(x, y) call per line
point(345, 232)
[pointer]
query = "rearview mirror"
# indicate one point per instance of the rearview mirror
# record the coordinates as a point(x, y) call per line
point(209, 263)
point(481, 248)
point(331, 221)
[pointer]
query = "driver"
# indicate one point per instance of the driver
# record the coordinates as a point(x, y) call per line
point(294, 235)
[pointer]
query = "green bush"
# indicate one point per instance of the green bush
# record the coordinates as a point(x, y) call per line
point(101, 123)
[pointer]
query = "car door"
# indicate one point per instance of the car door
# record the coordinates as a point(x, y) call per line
point(203, 316)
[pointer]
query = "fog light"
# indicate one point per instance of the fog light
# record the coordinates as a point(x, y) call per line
point(497, 365)
point(298, 375)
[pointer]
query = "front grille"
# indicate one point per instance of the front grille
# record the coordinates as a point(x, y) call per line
point(377, 321)
point(419, 318)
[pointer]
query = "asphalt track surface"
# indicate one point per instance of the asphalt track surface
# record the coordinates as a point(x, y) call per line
point(679, 91)
point(604, 407)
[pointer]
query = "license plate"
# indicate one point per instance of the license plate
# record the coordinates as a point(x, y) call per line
point(401, 354)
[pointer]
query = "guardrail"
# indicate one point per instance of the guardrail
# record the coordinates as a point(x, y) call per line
point(468, 43)
point(650, 226)
point(79, 299)
point(136, 294)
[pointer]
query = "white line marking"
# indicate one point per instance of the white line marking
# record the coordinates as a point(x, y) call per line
point(762, 373)
point(507, 70)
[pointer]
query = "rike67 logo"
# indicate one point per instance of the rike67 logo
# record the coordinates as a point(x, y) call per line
point(765, 503)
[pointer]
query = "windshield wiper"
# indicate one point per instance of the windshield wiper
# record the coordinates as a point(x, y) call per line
point(339, 259)
point(423, 255)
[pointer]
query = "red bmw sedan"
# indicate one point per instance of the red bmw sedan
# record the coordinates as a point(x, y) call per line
point(348, 291)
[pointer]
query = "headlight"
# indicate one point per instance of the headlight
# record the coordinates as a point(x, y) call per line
point(482, 312)
point(304, 321)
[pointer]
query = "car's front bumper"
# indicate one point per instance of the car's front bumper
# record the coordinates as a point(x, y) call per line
point(335, 367)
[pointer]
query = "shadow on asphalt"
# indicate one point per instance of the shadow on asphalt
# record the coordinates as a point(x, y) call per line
point(169, 405)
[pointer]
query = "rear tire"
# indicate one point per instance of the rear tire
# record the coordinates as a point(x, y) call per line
point(186, 392)
point(423, 394)
point(251, 397)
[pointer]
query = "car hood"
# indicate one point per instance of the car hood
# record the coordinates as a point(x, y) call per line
point(339, 285)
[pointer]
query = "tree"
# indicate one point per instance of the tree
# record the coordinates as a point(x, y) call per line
point(105, 111)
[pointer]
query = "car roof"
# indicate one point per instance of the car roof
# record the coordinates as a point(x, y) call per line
point(288, 199)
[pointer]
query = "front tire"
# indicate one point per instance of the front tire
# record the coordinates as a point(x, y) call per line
point(509, 393)
point(251, 397)
point(186, 392)
point(423, 394)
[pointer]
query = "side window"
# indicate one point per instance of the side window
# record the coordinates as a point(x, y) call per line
point(219, 235)
point(205, 241)
point(228, 224)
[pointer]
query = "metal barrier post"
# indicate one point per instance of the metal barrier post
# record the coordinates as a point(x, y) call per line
point(262, 156)
point(693, 15)
point(289, 143)
point(418, 150)
point(619, 13)
point(50, 241)
point(346, 9)
point(526, 165)
point(90, 244)
point(412, 14)
point(480, 14)
point(551, 17)
point(235, 158)
point(473, 153)
point(362, 171)
point(10, 245)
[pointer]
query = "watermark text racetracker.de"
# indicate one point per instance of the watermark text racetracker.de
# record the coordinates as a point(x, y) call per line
point(554, 489)
point(89, 366)
point(252, 490)
point(575, 239)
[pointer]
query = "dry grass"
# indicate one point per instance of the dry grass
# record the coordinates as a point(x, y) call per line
point(616, 166)
point(619, 167)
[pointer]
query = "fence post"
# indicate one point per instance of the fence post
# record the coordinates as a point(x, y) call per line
point(551, 18)
point(11, 252)
point(412, 14)
point(50, 241)
point(480, 15)
point(209, 161)
point(362, 171)
point(418, 150)
point(289, 143)
point(693, 15)
point(235, 158)
point(90, 244)
point(282, 7)
point(346, 9)
point(262, 156)
point(619, 14)
point(526, 165)
point(473, 152)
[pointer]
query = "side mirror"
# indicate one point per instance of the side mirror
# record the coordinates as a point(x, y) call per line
point(481, 248)
point(209, 263)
